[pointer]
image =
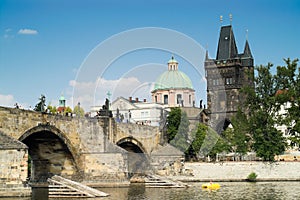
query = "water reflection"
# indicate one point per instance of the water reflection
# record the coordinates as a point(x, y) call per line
point(228, 191)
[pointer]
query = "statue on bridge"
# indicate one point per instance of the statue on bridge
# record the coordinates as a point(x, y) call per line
point(105, 112)
point(40, 107)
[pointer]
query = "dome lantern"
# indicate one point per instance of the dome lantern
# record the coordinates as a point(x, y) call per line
point(172, 64)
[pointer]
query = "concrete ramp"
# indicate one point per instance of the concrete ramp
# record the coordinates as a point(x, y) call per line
point(60, 187)
point(155, 181)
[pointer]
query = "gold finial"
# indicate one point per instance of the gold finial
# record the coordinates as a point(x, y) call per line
point(221, 19)
point(230, 17)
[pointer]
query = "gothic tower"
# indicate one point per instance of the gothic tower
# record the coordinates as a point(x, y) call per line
point(225, 76)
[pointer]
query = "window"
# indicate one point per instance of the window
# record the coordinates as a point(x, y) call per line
point(229, 81)
point(190, 99)
point(166, 99)
point(155, 99)
point(215, 81)
point(144, 114)
point(179, 98)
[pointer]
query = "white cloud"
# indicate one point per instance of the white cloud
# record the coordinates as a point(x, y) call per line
point(26, 31)
point(8, 34)
point(94, 93)
point(7, 100)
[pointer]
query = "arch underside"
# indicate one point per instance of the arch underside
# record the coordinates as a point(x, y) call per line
point(49, 154)
point(138, 162)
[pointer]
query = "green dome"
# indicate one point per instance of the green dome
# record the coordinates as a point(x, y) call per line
point(173, 79)
point(172, 60)
point(62, 98)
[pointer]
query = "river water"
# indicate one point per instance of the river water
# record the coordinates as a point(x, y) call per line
point(228, 191)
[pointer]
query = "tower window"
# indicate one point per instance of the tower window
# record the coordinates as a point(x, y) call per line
point(179, 98)
point(166, 99)
point(229, 81)
point(215, 81)
point(155, 99)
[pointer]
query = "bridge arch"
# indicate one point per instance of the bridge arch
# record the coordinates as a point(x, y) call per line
point(128, 142)
point(51, 153)
point(138, 159)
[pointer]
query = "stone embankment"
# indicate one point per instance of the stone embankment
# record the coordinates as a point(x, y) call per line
point(239, 171)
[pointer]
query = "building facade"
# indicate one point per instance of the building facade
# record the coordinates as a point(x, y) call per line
point(225, 76)
point(174, 88)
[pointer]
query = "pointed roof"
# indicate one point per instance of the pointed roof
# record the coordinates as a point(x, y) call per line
point(247, 51)
point(226, 47)
point(206, 55)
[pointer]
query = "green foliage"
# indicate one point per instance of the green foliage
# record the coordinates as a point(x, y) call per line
point(173, 122)
point(198, 137)
point(180, 140)
point(252, 177)
point(263, 105)
point(288, 80)
point(52, 109)
point(221, 145)
point(68, 110)
point(237, 138)
point(206, 142)
point(40, 106)
point(78, 111)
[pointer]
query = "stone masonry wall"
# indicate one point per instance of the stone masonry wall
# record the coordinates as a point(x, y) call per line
point(13, 166)
point(236, 171)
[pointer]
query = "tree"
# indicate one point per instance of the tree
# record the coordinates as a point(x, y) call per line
point(40, 106)
point(198, 137)
point(237, 137)
point(67, 110)
point(206, 142)
point(173, 122)
point(180, 140)
point(288, 81)
point(52, 109)
point(78, 111)
point(262, 112)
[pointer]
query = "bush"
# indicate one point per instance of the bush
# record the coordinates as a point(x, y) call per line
point(252, 177)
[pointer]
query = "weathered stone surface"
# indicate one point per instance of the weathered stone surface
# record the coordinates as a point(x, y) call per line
point(237, 171)
point(78, 148)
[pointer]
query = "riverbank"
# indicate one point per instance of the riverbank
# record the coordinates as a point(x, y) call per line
point(239, 171)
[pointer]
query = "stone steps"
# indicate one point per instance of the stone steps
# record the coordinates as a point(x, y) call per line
point(61, 187)
point(155, 181)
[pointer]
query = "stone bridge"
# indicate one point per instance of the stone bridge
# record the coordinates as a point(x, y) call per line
point(78, 148)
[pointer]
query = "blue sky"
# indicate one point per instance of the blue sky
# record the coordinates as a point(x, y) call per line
point(43, 44)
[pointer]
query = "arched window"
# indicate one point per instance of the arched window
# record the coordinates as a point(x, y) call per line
point(166, 99)
point(179, 98)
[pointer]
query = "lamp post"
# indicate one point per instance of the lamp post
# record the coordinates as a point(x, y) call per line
point(129, 115)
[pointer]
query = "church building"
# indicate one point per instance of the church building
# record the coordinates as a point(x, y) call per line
point(174, 88)
point(225, 76)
